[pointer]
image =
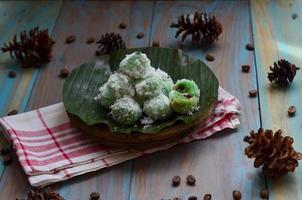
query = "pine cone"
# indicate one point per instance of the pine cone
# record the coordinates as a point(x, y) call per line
point(33, 49)
point(283, 73)
point(110, 42)
point(203, 27)
point(272, 150)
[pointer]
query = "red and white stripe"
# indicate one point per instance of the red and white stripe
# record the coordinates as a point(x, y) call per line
point(51, 150)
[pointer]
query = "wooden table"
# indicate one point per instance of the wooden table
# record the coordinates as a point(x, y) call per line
point(218, 162)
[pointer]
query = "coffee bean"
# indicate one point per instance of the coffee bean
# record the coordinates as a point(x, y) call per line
point(4, 151)
point(7, 159)
point(207, 197)
point(245, 68)
point(253, 93)
point(191, 180)
point(64, 72)
point(294, 16)
point(291, 110)
point(13, 112)
point(236, 195)
point(12, 74)
point(249, 47)
point(210, 58)
point(70, 39)
point(176, 180)
point(140, 35)
point(95, 196)
point(90, 40)
point(123, 25)
point(155, 44)
point(264, 193)
point(192, 198)
point(176, 198)
point(97, 53)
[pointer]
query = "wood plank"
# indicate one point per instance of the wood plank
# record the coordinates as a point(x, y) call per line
point(85, 19)
point(16, 17)
point(219, 162)
point(278, 36)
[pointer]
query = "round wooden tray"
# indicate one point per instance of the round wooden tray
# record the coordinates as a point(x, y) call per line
point(136, 140)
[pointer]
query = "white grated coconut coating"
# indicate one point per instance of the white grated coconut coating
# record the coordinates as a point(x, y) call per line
point(126, 111)
point(148, 88)
point(158, 107)
point(105, 96)
point(120, 86)
point(164, 79)
point(135, 65)
point(167, 82)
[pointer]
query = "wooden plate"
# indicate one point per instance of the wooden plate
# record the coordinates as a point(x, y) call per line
point(137, 140)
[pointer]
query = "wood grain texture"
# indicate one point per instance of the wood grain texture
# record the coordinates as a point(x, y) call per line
point(218, 162)
point(16, 17)
point(278, 36)
point(84, 19)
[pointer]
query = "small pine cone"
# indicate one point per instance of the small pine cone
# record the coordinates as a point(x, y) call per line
point(272, 151)
point(110, 42)
point(282, 73)
point(33, 48)
point(204, 28)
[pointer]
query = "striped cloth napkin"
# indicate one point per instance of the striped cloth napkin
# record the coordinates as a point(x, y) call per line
point(50, 150)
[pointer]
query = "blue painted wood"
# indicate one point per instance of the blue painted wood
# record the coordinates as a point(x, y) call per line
point(16, 17)
point(85, 19)
point(278, 36)
point(218, 162)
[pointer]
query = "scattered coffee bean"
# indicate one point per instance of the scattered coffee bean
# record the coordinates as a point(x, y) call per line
point(191, 180)
point(50, 194)
point(176, 198)
point(90, 40)
point(264, 193)
point(291, 110)
point(47, 194)
point(123, 25)
point(176, 180)
point(95, 196)
point(140, 35)
point(13, 112)
point(192, 198)
point(236, 195)
point(64, 72)
point(7, 159)
point(70, 39)
point(97, 53)
point(245, 68)
point(253, 93)
point(210, 58)
point(155, 44)
point(294, 16)
point(12, 74)
point(249, 47)
point(207, 197)
point(4, 151)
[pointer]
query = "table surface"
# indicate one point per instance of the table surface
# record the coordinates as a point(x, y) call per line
point(218, 162)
